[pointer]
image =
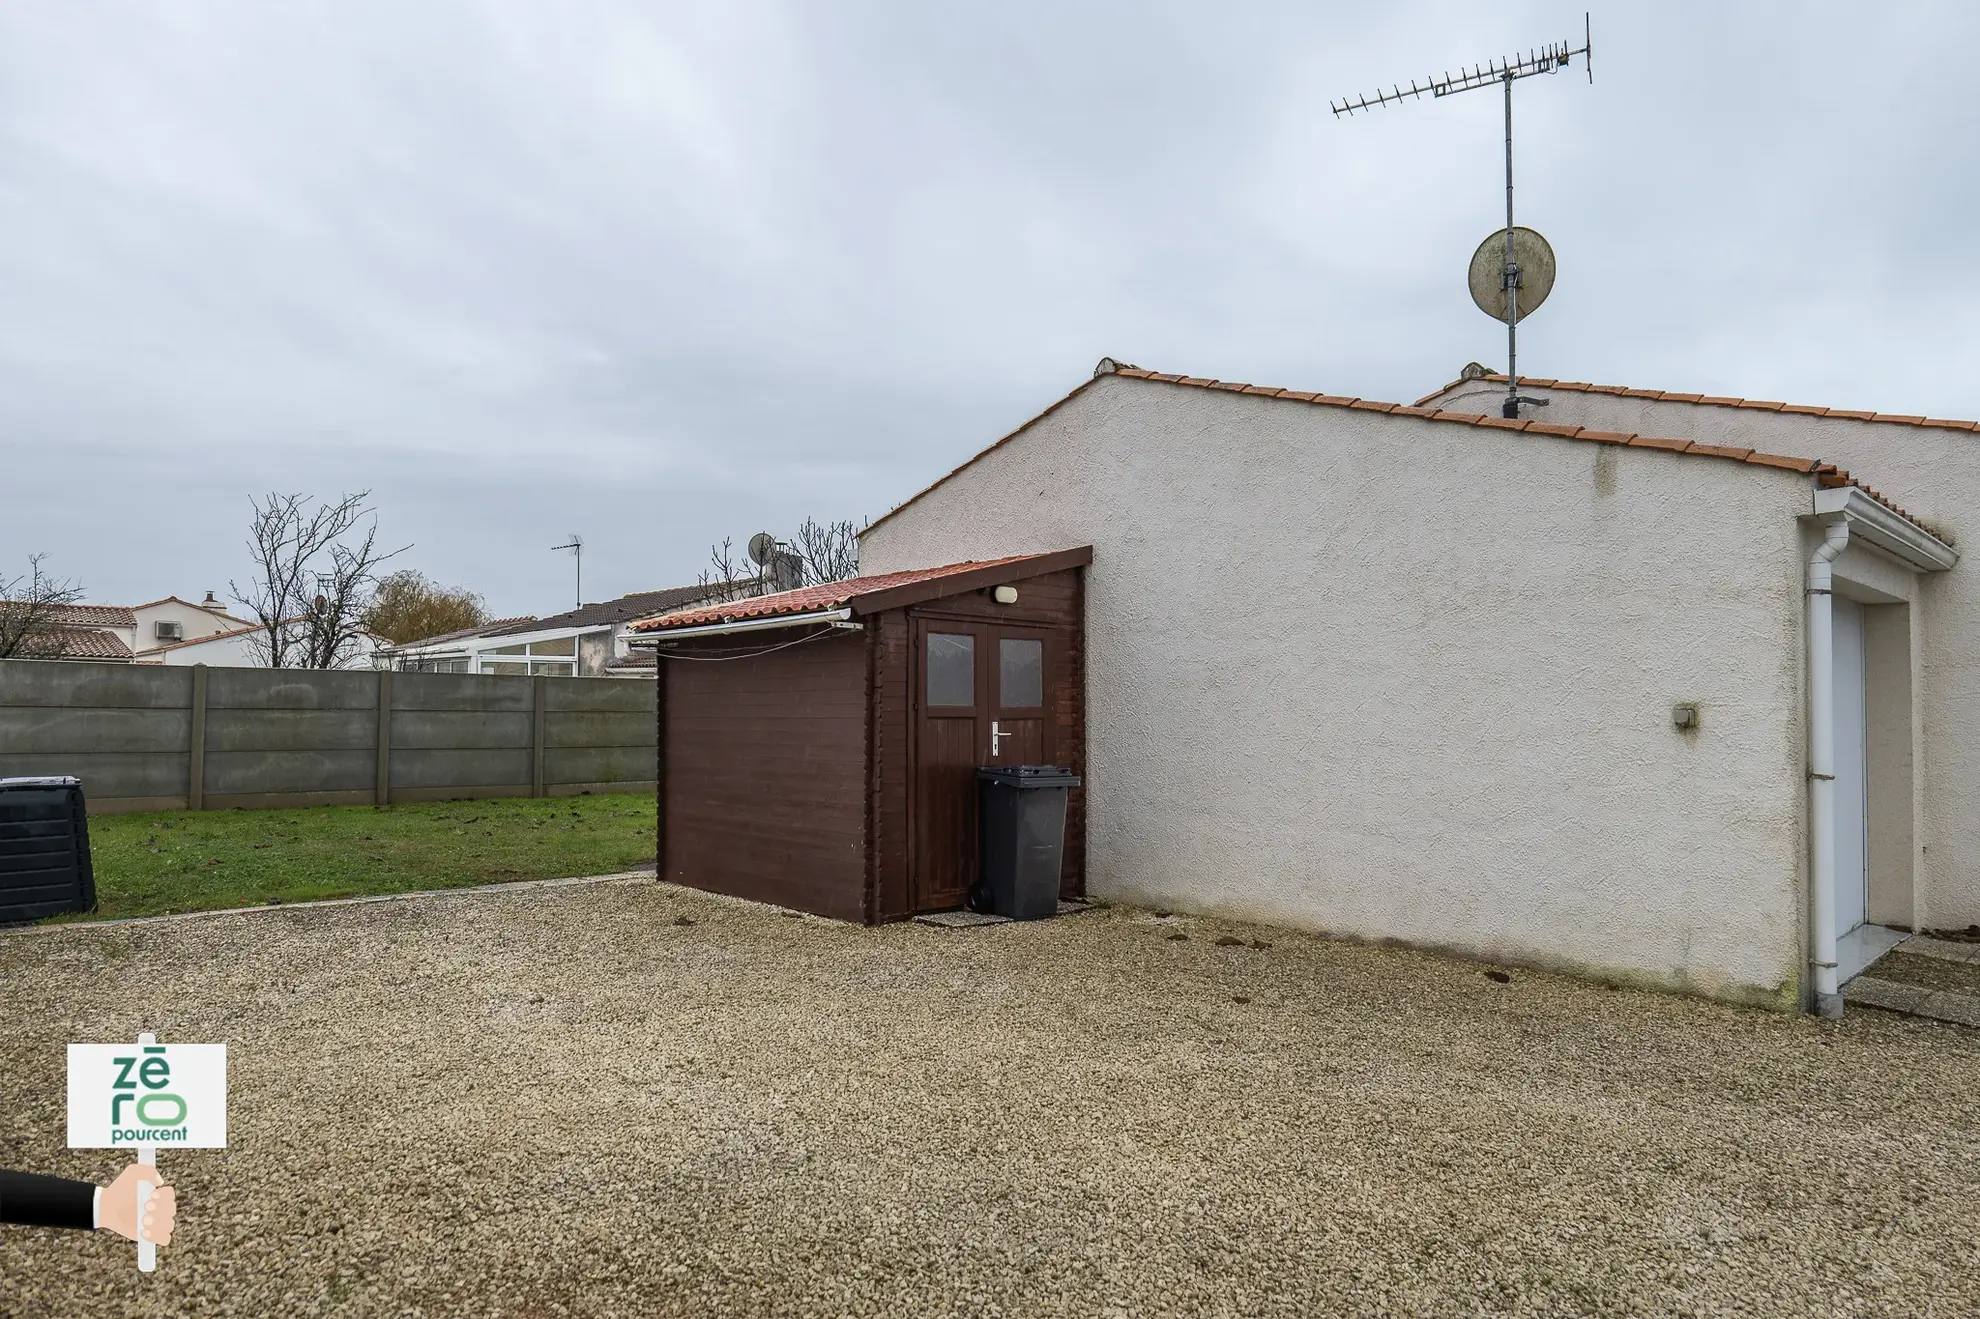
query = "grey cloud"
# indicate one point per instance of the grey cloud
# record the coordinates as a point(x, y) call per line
point(664, 273)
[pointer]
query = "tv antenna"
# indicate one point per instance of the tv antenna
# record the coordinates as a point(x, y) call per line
point(576, 546)
point(1549, 59)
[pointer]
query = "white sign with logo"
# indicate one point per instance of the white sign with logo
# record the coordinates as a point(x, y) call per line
point(122, 1096)
point(144, 1097)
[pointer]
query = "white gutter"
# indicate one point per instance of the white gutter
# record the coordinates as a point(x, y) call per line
point(1822, 766)
point(834, 617)
point(1846, 516)
point(1881, 528)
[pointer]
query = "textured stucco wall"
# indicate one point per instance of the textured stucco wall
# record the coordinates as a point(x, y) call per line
point(1408, 680)
point(1935, 474)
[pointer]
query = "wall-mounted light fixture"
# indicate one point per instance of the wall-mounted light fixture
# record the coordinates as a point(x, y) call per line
point(1005, 595)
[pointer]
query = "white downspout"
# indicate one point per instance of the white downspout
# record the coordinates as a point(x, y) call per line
point(1822, 767)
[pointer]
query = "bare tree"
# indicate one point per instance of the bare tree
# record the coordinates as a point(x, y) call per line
point(33, 610)
point(827, 552)
point(315, 570)
point(724, 578)
point(819, 553)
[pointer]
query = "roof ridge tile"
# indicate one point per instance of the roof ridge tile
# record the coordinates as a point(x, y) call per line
point(1826, 473)
point(1711, 400)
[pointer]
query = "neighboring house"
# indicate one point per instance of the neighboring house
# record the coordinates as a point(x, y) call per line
point(1641, 686)
point(586, 642)
point(171, 620)
point(167, 631)
point(243, 647)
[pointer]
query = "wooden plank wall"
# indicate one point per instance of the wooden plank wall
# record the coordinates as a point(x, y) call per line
point(893, 729)
point(766, 772)
point(287, 737)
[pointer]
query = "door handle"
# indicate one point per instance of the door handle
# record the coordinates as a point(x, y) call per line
point(996, 734)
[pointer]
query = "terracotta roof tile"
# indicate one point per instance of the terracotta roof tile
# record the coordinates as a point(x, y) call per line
point(1827, 472)
point(1713, 400)
point(76, 643)
point(90, 616)
point(1777, 460)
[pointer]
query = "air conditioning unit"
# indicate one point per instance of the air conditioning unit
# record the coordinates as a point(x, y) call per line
point(167, 630)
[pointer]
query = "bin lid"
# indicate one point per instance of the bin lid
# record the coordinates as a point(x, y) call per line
point(48, 781)
point(1029, 776)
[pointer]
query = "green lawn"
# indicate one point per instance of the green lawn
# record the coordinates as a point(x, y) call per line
point(169, 861)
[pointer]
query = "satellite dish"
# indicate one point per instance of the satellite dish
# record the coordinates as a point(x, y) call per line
point(1536, 272)
point(761, 546)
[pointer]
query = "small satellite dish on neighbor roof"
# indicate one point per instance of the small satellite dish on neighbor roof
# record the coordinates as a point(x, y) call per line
point(761, 546)
point(1535, 257)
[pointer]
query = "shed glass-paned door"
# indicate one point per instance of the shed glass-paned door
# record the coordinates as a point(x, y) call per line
point(950, 743)
point(1020, 673)
point(951, 669)
point(1020, 727)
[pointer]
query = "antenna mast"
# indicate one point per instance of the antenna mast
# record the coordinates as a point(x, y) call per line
point(1549, 59)
point(576, 546)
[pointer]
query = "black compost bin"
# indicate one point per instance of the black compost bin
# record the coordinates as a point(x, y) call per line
point(1023, 827)
point(44, 850)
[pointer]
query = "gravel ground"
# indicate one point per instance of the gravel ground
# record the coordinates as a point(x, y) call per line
point(574, 1101)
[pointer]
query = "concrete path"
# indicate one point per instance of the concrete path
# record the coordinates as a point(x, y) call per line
point(1948, 1005)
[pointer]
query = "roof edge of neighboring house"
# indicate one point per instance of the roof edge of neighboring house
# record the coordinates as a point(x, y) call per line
point(1827, 474)
point(1706, 400)
point(81, 615)
point(215, 608)
point(464, 634)
point(99, 643)
point(228, 635)
point(858, 597)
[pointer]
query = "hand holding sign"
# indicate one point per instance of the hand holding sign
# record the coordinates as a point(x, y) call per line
point(139, 1097)
point(118, 1210)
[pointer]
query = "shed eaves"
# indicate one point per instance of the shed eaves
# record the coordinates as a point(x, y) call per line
point(1826, 474)
point(860, 594)
point(1709, 400)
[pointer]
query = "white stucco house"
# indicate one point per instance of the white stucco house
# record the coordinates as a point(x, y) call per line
point(171, 621)
point(1645, 686)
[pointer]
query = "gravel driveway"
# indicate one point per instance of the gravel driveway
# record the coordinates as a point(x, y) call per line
point(575, 1101)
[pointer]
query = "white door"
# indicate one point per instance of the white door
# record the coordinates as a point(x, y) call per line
point(1852, 777)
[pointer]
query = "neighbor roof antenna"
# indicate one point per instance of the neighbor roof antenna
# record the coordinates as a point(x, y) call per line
point(1549, 59)
point(576, 546)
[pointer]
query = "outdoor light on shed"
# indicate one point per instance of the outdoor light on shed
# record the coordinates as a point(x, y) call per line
point(1005, 595)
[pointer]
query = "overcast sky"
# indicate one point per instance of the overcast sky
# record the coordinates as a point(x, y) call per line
point(662, 273)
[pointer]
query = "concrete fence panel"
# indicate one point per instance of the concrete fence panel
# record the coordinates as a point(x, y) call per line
point(197, 738)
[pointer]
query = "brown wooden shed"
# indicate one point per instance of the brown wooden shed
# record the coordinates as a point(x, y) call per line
point(819, 747)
